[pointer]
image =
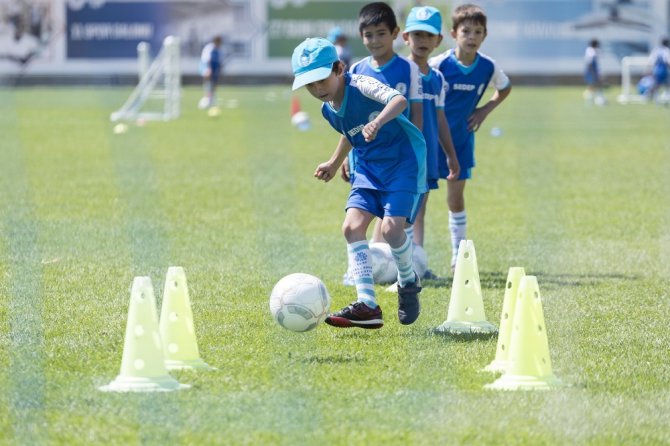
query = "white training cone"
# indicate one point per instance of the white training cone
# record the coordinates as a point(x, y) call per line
point(180, 346)
point(143, 365)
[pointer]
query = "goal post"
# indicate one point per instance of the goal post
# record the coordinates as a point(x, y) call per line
point(160, 83)
point(633, 68)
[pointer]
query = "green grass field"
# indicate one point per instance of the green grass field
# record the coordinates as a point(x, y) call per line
point(577, 195)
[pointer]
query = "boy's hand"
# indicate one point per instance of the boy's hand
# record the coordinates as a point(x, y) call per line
point(454, 168)
point(325, 171)
point(475, 120)
point(344, 170)
point(370, 131)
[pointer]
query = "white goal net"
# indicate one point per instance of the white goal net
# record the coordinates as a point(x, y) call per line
point(157, 95)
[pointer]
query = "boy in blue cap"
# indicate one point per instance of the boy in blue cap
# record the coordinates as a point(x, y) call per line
point(423, 34)
point(389, 177)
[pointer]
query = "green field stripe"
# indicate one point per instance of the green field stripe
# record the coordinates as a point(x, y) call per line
point(25, 381)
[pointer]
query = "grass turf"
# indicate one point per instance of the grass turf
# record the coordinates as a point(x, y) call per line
point(577, 195)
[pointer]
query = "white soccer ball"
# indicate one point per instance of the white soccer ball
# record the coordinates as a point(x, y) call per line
point(299, 302)
point(384, 269)
point(301, 121)
point(420, 260)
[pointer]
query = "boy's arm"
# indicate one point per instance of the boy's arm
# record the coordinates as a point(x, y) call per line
point(447, 145)
point(391, 111)
point(416, 114)
point(479, 115)
point(326, 171)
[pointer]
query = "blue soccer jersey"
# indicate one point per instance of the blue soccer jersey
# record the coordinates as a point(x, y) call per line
point(399, 73)
point(396, 159)
point(434, 91)
point(466, 87)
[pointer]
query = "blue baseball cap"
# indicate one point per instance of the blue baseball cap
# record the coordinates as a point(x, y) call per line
point(313, 61)
point(424, 18)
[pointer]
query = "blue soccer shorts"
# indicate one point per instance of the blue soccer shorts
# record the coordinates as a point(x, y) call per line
point(385, 204)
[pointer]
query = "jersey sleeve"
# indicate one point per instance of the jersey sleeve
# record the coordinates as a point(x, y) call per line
point(499, 80)
point(441, 98)
point(415, 83)
point(373, 89)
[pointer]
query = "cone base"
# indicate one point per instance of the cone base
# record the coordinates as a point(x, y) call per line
point(524, 382)
point(467, 328)
point(139, 384)
point(192, 364)
point(497, 366)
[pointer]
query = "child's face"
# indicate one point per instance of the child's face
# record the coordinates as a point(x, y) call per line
point(422, 43)
point(469, 36)
point(325, 90)
point(378, 39)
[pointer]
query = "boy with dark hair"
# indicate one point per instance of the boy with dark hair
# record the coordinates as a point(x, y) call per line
point(468, 73)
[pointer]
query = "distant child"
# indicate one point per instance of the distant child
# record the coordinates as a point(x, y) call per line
point(468, 73)
point(341, 42)
point(389, 176)
point(378, 28)
point(423, 33)
point(594, 92)
point(659, 59)
point(211, 61)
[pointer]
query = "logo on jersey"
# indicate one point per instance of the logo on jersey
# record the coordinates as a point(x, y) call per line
point(372, 116)
point(481, 88)
point(464, 87)
point(401, 87)
point(356, 130)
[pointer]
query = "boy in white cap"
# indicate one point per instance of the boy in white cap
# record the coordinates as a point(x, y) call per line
point(389, 177)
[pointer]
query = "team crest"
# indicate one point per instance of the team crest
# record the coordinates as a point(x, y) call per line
point(401, 87)
point(423, 14)
point(304, 59)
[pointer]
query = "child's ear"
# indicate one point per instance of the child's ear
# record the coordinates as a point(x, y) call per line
point(405, 37)
point(453, 34)
point(395, 32)
point(439, 39)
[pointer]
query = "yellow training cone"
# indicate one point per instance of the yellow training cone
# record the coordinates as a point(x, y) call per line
point(501, 361)
point(180, 346)
point(466, 307)
point(143, 366)
point(530, 365)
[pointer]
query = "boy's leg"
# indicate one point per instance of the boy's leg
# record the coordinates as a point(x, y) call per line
point(365, 312)
point(457, 216)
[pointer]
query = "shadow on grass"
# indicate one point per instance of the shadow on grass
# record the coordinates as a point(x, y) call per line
point(489, 279)
point(462, 337)
point(341, 358)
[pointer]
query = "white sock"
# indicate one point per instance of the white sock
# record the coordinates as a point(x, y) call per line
point(458, 222)
point(410, 233)
point(403, 259)
point(360, 267)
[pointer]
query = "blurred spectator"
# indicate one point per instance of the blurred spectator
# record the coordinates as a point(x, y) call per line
point(211, 61)
point(339, 39)
point(659, 59)
point(593, 93)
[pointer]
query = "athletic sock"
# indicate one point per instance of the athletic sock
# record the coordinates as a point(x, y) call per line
point(403, 259)
point(360, 266)
point(458, 222)
point(409, 231)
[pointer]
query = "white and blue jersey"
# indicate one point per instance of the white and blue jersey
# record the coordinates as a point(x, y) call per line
point(396, 159)
point(434, 92)
point(399, 73)
point(466, 87)
point(659, 60)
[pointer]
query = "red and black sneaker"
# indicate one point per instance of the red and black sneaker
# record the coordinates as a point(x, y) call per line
point(357, 315)
point(408, 301)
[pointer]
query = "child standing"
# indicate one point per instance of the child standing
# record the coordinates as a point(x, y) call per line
point(659, 59)
point(210, 68)
point(593, 93)
point(389, 175)
point(468, 73)
point(378, 28)
point(423, 33)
